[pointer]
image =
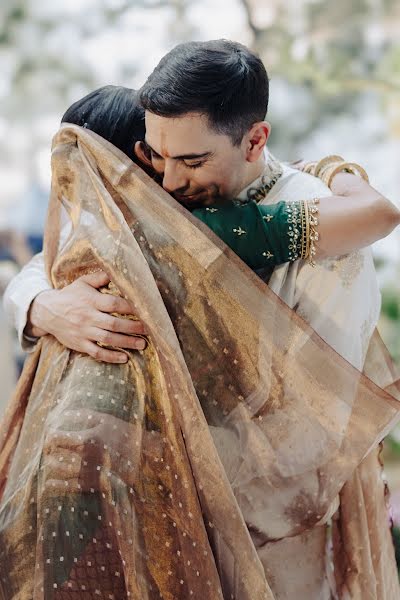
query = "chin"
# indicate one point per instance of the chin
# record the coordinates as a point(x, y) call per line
point(206, 197)
point(188, 201)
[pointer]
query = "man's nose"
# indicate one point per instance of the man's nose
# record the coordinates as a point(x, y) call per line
point(173, 178)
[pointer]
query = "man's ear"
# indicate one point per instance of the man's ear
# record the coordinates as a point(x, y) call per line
point(141, 154)
point(256, 140)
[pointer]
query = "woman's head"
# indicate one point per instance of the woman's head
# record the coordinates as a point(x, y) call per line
point(114, 113)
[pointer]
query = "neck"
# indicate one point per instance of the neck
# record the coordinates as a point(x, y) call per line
point(254, 172)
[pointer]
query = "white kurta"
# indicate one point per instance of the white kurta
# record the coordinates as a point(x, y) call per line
point(340, 296)
point(340, 299)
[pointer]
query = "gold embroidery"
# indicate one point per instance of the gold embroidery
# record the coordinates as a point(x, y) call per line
point(267, 254)
point(212, 210)
point(272, 173)
point(348, 267)
point(302, 230)
point(312, 235)
point(305, 229)
point(268, 218)
point(294, 219)
point(239, 231)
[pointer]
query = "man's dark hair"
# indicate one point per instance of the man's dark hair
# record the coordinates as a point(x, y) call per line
point(221, 79)
point(113, 112)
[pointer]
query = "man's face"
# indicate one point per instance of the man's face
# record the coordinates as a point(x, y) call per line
point(197, 165)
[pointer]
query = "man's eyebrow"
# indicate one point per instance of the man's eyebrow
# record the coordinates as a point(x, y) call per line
point(191, 156)
point(183, 156)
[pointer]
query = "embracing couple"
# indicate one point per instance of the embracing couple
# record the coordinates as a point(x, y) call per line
point(201, 411)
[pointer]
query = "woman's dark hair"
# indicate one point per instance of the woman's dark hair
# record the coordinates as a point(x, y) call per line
point(114, 112)
point(221, 79)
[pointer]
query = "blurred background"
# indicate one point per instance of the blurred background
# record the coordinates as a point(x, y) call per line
point(335, 88)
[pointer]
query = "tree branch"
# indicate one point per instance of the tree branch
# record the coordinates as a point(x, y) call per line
point(250, 20)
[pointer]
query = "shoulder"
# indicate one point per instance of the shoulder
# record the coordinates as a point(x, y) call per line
point(293, 179)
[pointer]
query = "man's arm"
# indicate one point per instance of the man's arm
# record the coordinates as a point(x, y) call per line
point(78, 315)
point(20, 293)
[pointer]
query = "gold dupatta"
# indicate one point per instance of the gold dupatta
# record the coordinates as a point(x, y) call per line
point(125, 481)
point(363, 552)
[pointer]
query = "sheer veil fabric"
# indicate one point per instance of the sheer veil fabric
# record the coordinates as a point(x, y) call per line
point(143, 480)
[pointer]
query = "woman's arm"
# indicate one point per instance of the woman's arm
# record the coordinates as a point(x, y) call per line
point(269, 235)
point(354, 217)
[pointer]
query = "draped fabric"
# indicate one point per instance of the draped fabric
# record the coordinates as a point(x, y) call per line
point(144, 480)
point(363, 552)
point(341, 301)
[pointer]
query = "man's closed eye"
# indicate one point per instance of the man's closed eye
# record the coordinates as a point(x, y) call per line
point(194, 165)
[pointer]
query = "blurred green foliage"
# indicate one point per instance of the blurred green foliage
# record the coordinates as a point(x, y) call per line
point(396, 541)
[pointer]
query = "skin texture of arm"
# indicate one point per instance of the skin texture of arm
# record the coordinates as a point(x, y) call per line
point(354, 217)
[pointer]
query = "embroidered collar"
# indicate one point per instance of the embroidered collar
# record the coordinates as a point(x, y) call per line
point(259, 188)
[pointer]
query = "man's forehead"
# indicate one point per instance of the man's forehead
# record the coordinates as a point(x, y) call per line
point(191, 119)
point(170, 136)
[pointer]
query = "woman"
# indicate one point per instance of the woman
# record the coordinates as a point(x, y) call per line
point(133, 480)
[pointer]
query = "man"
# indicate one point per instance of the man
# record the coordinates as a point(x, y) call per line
point(205, 106)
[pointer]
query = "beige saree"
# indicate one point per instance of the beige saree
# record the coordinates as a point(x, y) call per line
point(144, 480)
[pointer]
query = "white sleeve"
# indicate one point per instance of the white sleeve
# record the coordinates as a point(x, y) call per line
point(23, 289)
point(20, 293)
